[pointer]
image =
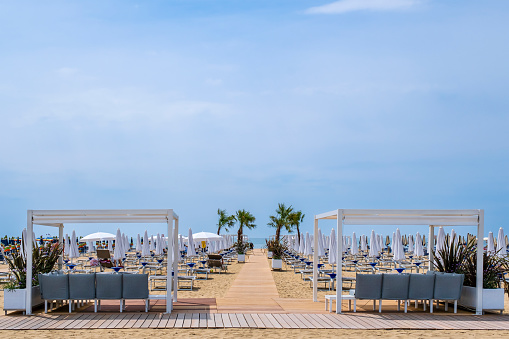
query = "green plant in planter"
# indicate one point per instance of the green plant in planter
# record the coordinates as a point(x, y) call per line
point(494, 268)
point(43, 260)
point(241, 247)
point(451, 258)
point(276, 247)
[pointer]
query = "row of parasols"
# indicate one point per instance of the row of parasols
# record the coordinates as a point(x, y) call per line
point(376, 245)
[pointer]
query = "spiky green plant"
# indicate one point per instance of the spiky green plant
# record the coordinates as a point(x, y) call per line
point(276, 247)
point(494, 269)
point(44, 259)
point(452, 256)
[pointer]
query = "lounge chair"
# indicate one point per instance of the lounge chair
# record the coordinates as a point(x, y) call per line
point(104, 258)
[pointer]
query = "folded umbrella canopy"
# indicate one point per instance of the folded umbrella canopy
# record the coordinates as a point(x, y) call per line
point(354, 249)
point(73, 247)
point(302, 244)
point(138, 243)
point(321, 250)
point(145, 249)
point(410, 244)
point(191, 251)
point(419, 252)
point(332, 248)
point(399, 253)
point(372, 245)
point(364, 243)
point(117, 253)
point(491, 244)
point(501, 244)
point(308, 250)
point(440, 244)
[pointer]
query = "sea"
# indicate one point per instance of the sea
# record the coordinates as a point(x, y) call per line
point(258, 242)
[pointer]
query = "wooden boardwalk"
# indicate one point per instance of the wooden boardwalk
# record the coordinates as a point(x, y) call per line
point(254, 320)
point(251, 302)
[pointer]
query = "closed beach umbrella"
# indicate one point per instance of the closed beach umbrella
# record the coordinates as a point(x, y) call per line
point(307, 249)
point(138, 243)
point(117, 253)
point(372, 245)
point(393, 243)
point(364, 245)
point(419, 252)
point(440, 243)
point(67, 247)
point(453, 241)
point(73, 247)
point(302, 244)
point(399, 253)
point(90, 245)
point(145, 250)
point(332, 248)
point(410, 244)
point(321, 250)
point(491, 244)
point(191, 251)
point(354, 250)
point(110, 245)
point(159, 245)
point(501, 244)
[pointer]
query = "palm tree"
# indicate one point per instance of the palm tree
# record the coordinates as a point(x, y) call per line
point(245, 219)
point(296, 219)
point(281, 220)
point(225, 221)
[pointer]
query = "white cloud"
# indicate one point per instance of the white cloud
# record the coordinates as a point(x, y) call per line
point(344, 6)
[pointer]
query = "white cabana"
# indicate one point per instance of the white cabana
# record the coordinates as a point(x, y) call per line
point(58, 218)
point(431, 218)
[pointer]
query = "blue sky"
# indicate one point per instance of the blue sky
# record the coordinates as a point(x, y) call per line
point(198, 105)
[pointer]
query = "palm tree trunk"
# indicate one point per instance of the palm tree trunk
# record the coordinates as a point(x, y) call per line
point(278, 231)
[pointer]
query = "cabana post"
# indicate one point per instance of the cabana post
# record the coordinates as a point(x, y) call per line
point(57, 218)
point(431, 218)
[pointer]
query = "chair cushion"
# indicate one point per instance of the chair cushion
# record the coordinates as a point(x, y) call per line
point(54, 286)
point(108, 286)
point(395, 286)
point(368, 286)
point(82, 286)
point(135, 286)
point(448, 286)
point(421, 286)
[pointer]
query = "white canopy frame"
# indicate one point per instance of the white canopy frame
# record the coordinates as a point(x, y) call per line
point(57, 218)
point(431, 218)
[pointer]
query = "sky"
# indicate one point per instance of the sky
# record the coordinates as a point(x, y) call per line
point(197, 105)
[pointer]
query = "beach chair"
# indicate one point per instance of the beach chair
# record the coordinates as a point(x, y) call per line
point(216, 260)
point(104, 258)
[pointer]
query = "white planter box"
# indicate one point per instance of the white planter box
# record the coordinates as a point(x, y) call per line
point(277, 264)
point(269, 254)
point(241, 257)
point(492, 299)
point(15, 300)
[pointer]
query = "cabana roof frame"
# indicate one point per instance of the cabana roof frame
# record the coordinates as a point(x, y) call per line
point(372, 217)
point(57, 218)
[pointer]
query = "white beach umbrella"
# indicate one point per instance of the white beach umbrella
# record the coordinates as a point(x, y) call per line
point(440, 243)
point(138, 243)
point(354, 249)
point(98, 236)
point(491, 244)
point(206, 236)
point(181, 243)
point(419, 252)
point(411, 244)
point(159, 245)
point(332, 248)
point(302, 244)
point(73, 247)
point(393, 242)
point(321, 250)
point(453, 241)
point(110, 245)
point(501, 245)
point(145, 249)
point(364, 245)
point(372, 245)
point(67, 247)
point(399, 254)
point(152, 244)
point(90, 246)
point(308, 250)
point(117, 253)
point(380, 243)
point(191, 251)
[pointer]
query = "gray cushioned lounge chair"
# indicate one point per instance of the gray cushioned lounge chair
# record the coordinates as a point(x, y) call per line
point(395, 287)
point(369, 286)
point(108, 286)
point(53, 287)
point(135, 286)
point(448, 287)
point(82, 287)
point(422, 287)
